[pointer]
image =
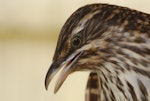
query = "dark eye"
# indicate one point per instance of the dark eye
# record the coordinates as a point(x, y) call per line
point(76, 41)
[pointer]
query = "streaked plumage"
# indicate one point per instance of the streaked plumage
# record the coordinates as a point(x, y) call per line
point(113, 43)
point(93, 88)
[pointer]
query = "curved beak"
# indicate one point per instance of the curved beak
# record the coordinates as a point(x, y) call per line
point(50, 74)
point(67, 69)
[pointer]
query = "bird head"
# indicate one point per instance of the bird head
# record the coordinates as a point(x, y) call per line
point(109, 40)
point(79, 39)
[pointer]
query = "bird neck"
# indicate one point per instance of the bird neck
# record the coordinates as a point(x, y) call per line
point(118, 84)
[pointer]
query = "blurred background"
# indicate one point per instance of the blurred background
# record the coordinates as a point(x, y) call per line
point(28, 35)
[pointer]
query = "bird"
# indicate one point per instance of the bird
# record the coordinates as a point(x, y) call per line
point(112, 43)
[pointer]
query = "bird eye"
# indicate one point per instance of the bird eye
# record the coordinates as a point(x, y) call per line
point(76, 41)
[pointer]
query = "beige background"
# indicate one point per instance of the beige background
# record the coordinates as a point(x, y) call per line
point(28, 34)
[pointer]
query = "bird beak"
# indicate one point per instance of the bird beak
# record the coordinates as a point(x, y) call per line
point(67, 69)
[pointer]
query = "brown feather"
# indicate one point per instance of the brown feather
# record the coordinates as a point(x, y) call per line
point(93, 88)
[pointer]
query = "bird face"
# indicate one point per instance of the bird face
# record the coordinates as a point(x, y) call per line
point(68, 56)
point(76, 42)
